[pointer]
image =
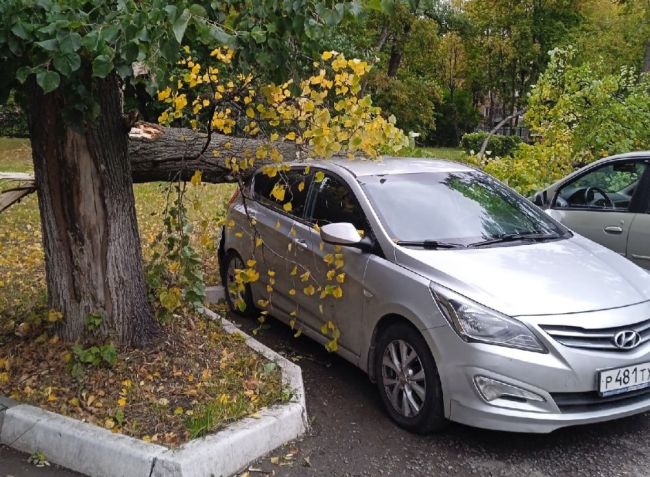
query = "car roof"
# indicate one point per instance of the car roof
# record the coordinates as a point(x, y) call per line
point(385, 165)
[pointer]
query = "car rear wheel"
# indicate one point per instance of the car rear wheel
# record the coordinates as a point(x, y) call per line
point(408, 381)
point(239, 301)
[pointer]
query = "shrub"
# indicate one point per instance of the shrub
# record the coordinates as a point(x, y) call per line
point(498, 145)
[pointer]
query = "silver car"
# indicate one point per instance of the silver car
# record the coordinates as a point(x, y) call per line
point(608, 202)
point(462, 300)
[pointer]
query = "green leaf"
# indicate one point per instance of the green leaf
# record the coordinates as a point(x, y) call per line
point(48, 81)
point(67, 64)
point(198, 10)
point(102, 66)
point(258, 34)
point(109, 34)
point(20, 31)
point(180, 25)
point(70, 43)
point(49, 45)
point(22, 73)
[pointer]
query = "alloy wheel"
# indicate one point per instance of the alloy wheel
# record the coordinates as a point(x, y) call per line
point(403, 378)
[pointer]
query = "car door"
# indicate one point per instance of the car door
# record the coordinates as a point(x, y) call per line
point(601, 204)
point(272, 229)
point(332, 201)
point(638, 243)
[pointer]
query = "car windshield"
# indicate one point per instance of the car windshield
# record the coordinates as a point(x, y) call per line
point(463, 208)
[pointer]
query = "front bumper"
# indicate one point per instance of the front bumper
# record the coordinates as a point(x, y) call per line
point(566, 379)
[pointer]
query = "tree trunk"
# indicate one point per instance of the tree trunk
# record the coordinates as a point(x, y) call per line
point(164, 154)
point(646, 61)
point(93, 256)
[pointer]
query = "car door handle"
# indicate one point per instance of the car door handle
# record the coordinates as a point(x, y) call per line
point(300, 243)
point(613, 229)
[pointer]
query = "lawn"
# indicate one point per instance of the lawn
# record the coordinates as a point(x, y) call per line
point(193, 382)
point(22, 277)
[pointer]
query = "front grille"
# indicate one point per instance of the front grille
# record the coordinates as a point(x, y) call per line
point(596, 339)
point(592, 401)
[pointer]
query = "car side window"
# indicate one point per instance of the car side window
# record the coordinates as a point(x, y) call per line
point(609, 187)
point(334, 202)
point(295, 184)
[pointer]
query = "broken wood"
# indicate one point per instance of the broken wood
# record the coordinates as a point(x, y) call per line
point(166, 154)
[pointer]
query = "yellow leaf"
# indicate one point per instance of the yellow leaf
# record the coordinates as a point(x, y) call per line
point(326, 55)
point(340, 277)
point(196, 178)
point(291, 136)
point(258, 242)
point(310, 290)
point(4, 378)
point(319, 176)
point(301, 186)
point(305, 276)
point(297, 333)
point(251, 263)
point(178, 411)
point(275, 460)
point(294, 271)
point(337, 293)
point(287, 207)
point(121, 402)
point(278, 192)
point(292, 292)
point(109, 423)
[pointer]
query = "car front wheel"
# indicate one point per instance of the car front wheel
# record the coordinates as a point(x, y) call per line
point(408, 381)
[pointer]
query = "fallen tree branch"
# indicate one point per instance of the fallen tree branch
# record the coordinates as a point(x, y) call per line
point(481, 154)
point(164, 154)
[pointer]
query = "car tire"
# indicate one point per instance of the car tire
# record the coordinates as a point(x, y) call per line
point(416, 384)
point(232, 261)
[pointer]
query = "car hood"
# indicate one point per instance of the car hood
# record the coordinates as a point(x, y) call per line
point(549, 278)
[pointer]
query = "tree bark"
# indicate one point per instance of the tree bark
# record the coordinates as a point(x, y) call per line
point(164, 154)
point(93, 256)
point(646, 60)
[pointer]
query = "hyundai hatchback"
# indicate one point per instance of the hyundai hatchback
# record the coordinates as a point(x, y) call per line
point(461, 300)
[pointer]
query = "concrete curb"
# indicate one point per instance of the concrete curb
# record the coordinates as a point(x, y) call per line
point(98, 452)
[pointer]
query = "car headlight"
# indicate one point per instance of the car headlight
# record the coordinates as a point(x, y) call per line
point(476, 323)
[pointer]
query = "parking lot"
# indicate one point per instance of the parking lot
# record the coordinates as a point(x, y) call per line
point(352, 436)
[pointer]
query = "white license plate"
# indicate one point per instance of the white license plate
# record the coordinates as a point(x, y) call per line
point(622, 380)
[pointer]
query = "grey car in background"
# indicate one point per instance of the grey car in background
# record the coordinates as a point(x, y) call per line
point(462, 301)
point(608, 202)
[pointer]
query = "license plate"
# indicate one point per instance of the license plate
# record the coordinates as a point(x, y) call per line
point(623, 380)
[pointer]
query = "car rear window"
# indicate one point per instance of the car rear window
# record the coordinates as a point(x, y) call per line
point(296, 185)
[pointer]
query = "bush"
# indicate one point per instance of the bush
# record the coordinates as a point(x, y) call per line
point(498, 145)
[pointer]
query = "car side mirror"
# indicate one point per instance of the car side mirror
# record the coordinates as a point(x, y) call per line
point(345, 234)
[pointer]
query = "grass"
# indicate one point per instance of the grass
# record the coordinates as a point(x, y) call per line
point(22, 277)
point(194, 381)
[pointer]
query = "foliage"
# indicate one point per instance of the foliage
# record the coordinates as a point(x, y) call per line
point(498, 145)
point(507, 47)
point(411, 100)
point(455, 116)
point(93, 356)
point(174, 271)
point(579, 115)
point(13, 121)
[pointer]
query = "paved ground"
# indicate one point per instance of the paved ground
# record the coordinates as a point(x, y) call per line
point(15, 464)
point(351, 435)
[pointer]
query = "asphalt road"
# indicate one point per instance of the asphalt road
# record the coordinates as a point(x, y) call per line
point(351, 435)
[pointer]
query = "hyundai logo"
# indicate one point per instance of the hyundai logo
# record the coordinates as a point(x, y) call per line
point(627, 339)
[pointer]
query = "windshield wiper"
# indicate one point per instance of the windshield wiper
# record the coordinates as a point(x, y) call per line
point(428, 244)
point(525, 236)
